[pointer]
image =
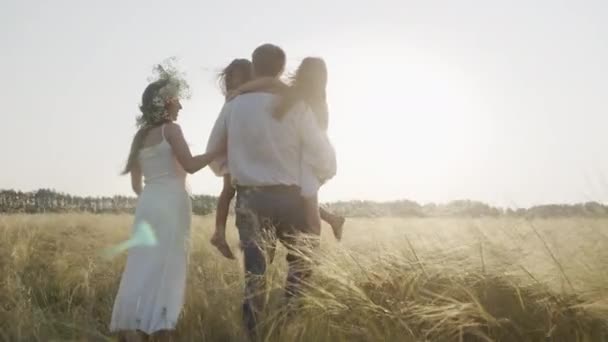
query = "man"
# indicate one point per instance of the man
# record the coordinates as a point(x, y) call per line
point(264, 161)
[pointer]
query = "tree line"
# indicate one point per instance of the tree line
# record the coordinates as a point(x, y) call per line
point(465, 208)
point(50, 201)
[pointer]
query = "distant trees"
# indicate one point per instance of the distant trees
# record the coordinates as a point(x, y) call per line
point(408, 208)
point(464, 208)
point(50, 201)
point(589, 209)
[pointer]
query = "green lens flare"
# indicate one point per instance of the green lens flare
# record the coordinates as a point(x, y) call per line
point(143, 235)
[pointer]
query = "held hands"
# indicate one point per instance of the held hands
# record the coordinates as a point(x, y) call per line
point(209, 157)
point(220, 150)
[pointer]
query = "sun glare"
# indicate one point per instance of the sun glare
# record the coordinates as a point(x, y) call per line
point(411, 113)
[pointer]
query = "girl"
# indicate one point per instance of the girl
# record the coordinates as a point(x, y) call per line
point(235, 74)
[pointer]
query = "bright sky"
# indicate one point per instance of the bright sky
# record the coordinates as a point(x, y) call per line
point(500, 101)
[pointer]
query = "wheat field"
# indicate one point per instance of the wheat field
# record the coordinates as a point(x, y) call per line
point(390, 279)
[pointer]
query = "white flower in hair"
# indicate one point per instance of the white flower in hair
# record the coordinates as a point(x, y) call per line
point(158, 101)
point(175, 88)
point(170, 90)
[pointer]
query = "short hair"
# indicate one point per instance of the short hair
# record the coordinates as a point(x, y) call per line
point(268, 60)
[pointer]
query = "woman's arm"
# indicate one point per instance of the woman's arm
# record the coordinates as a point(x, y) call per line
point(136, 179)
point(223, 204)
point(175, 137)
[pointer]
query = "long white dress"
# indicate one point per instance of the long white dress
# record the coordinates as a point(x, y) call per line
point(151, 292)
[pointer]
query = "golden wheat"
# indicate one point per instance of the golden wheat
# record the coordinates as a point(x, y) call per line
point(389, 280)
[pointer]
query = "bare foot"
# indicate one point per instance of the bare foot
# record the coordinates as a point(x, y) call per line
point(337, 226)
point(222, 246)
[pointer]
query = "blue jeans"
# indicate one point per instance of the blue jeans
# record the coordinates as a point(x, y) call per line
point(263, 216)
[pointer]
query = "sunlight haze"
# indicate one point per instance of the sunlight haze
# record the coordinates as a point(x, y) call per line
point(503, 102)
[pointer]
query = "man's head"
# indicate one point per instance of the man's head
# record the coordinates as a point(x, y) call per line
point(268, 61)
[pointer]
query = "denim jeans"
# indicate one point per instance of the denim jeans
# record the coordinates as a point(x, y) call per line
point(263, 217)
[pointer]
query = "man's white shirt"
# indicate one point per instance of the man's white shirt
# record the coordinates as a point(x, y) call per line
point(263, 150)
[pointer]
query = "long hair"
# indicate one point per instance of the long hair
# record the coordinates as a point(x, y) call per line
point(147, 105)
point(226, 77)
point(307, 85)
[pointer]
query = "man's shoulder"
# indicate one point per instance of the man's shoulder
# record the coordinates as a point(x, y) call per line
point(252, 98)
point(299, 111)
point(248, 104)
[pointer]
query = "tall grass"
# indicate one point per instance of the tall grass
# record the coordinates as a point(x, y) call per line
point(389, 280)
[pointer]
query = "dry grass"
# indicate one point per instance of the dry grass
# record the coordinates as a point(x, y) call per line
point(390, 280)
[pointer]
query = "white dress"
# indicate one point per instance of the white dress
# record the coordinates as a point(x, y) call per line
point(151, 292)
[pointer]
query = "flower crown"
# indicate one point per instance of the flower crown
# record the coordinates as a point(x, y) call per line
point(175, 88)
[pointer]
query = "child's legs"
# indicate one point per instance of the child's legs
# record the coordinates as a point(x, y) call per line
point(335, 221)
point(223, 206)
point(313, 219)
point(327, 216)
point(221, 217)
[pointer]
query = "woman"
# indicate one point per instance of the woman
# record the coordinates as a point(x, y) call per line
point(151, 291)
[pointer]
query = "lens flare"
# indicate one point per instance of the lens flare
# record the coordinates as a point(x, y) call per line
point(143, 235)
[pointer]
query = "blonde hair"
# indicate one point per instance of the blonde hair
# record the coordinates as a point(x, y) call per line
point(307, 85)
